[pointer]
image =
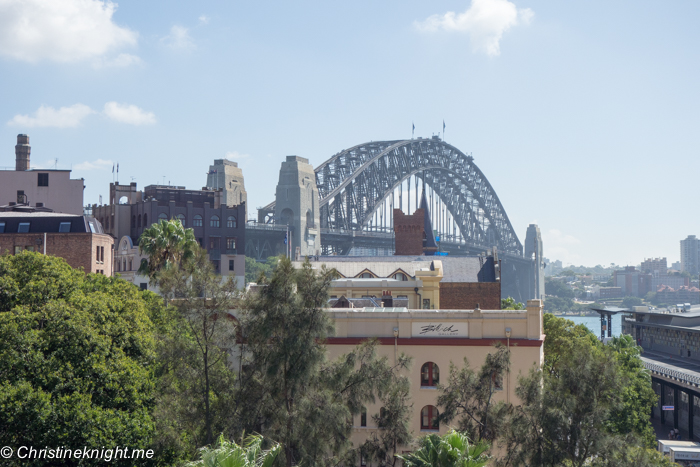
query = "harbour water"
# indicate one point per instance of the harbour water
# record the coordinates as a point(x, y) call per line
point(593, 323)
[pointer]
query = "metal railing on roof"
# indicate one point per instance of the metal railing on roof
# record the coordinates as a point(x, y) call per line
point(675, 375)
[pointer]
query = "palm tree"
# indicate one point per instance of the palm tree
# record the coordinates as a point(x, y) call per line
point(230, 454)
point(451, 450)
point(167, 244)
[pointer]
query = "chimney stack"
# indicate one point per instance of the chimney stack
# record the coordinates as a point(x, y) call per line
point(22, 151)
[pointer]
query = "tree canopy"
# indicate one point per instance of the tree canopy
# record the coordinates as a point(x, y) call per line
point(77, 354)
point(167, 244)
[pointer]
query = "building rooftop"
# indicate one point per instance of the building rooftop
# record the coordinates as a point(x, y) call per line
point(455, 268)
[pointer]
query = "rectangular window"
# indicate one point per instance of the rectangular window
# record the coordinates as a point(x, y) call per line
point(30, 248)
point(23, 227)
point(43, 180)
point(2, 227)
point(230, 243)
point(20, 197)
point(97, 254)
point(426, 303)
point(143, 285)
point(230, 265)
point(214, 243)
point(64, 227)
point(18, 250)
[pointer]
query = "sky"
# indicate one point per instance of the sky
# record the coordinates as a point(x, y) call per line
point(584, 116)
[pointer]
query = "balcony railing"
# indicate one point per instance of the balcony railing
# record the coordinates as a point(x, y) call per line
point(675, 375)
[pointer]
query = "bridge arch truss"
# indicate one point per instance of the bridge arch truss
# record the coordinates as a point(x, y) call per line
point(358, 183)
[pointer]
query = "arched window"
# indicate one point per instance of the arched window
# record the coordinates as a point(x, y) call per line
point(133, 221)
point(162, 216)
point(214, 221)
point(139, 221)
point(399, 276)
point(181, 218)
point(363, 416)
point(429, 418)
point(429, 375)
point(231, 222)
point(145, 220)
point(197, 222)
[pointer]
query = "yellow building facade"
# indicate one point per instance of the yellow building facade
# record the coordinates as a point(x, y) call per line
point(435, 339)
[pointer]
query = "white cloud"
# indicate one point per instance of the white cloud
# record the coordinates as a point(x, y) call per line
point(120, 61)
point(179, 38)
point(130, 114)
point(99, 164)
point(485, 21)
point(236, 156)
point(60, 30)
point(65, 117)
point(204, 19)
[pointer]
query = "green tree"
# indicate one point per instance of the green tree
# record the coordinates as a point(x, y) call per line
point(558, 288)
point(450, 450)
point(77, 356)
point(229, 454)
point(592, 401)
point(393, 422)
point(510, 304)
point(198, 383)
point(468, 396)
point(638, 397)
point(562, 336)
point(289, 391)
point(167, 244)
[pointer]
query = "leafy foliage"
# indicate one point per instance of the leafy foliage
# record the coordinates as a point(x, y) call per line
point(197, 384)
point(77, 354)
point(393, 422)
point(510, 304)
point(168, 244)
point(591, 402)
point(450, 450)
point(468, 396)
point(229, 454)
point(289, 391)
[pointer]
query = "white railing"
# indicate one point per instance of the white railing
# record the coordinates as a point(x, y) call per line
point(673, 374)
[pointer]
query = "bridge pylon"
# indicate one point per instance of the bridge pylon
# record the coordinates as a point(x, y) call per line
point(297, 205)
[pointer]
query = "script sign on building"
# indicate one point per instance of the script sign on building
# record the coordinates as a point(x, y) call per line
point(439, 329)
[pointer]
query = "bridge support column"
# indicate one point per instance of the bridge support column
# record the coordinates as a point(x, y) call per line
point(691, 409)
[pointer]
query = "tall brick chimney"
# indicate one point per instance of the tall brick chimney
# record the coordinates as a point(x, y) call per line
point(22, 151)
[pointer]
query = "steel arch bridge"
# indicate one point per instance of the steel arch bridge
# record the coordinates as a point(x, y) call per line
point(355, 182)
point(358, 183)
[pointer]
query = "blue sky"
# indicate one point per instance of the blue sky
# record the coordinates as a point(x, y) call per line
point(584, 116)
